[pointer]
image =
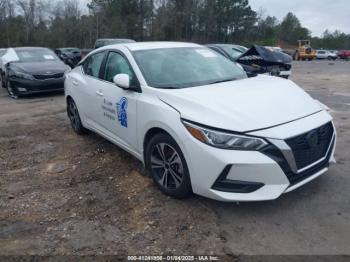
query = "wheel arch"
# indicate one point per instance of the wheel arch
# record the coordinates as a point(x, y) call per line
point(69, 97)
point(149, 135)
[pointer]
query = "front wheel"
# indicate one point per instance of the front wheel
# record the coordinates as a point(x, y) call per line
point(167, 166)
point(74, 118)
point(12, 92)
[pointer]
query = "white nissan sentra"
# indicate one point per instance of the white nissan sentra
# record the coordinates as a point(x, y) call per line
point(198, 123)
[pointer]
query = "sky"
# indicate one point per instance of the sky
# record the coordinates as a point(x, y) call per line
point(316, 15)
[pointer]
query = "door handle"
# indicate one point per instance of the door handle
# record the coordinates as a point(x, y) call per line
point(75, 83)
point(99, 93)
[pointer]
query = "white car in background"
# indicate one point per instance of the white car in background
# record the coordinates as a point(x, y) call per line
point(325, 54)
point(198, 123)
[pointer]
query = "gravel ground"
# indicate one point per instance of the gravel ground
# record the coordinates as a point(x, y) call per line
point(64, 194)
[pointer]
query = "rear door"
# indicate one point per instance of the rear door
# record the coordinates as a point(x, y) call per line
point(88, 84)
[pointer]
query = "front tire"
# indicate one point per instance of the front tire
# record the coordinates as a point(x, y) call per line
point(12, 92)
point(74, 118)
point(167, 166)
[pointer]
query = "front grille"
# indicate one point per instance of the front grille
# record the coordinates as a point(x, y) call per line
point(310, 147)
point(51, 76)
point(297, 178)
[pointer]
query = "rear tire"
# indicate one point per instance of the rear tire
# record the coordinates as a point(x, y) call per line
point(167, 165)
point(74, 118)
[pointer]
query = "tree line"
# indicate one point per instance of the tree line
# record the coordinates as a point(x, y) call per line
point(65, 23)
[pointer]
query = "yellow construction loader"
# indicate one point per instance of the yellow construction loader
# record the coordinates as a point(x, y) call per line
point(304, 51)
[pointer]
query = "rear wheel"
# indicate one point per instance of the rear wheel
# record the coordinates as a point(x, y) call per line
point(74, 118)
point(167, 166)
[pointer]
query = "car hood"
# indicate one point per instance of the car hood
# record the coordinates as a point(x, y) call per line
point(38, 68)
point(263, 56)
point(243, 105)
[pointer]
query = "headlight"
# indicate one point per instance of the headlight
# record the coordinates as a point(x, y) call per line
point(22, 75)
point(225, 140)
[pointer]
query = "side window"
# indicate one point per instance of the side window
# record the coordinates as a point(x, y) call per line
point(117, 64)
point(93, 64)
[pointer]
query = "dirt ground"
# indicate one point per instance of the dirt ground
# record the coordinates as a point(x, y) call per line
point(64, 194)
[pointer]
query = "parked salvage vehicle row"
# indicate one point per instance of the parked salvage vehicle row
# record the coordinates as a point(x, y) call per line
point(257, 60)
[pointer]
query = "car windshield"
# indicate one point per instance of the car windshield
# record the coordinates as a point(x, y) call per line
point(243, 49)
point(35, 55)
point(185, 67)
point(232, 51)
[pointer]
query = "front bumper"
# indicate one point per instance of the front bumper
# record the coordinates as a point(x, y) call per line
point(265, 177)
point(286, 73)
point(24, 86)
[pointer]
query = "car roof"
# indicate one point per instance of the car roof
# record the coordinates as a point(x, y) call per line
point(108, 39)
point(151, 45)
point(225, 45)
point(64, 48)
point(29, 48)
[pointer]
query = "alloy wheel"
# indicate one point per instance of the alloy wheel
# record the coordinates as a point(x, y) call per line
point(73, 115)
point(167, 166)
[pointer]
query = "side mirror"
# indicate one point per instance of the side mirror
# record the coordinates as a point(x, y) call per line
point(122, 80)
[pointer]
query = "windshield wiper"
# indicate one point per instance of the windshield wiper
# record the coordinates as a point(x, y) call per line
point(222, 81)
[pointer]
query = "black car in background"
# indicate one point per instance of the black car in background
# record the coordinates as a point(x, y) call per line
point(33, 70)
point(257, 59)
point(70, 55)
point(111, 41)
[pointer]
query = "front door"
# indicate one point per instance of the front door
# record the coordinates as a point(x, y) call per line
point(119, 106)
